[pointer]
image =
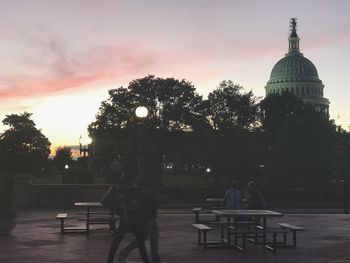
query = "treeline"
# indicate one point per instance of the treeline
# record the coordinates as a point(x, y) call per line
point(279, 141)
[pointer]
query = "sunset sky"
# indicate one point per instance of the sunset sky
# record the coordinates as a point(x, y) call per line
point(59, 58)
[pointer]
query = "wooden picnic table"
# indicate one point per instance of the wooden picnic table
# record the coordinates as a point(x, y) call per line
point(234, 214)
point(217, 200)
point(88, 207)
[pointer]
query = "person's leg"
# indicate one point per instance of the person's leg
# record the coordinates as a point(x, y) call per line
point(140, 237)
point(134, 244)
point(114, 246)
point(154, 241)
point(127, 250)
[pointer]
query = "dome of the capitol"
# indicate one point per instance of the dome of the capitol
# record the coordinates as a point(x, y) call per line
point(294, 68)
point(296, 74)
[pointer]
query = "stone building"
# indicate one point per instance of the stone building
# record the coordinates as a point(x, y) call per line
point(296, 74)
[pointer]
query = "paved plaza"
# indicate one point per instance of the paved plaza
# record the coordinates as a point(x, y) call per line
point(37, 238)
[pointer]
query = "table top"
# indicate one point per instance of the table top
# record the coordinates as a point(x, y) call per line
point(215, 199)
point(234, 213)
point(88, 204)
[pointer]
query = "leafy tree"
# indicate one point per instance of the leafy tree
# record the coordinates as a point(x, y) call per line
point(230, 107)
point(63, 157)
point(299, 142)
point(24, 147)
point(173, 106)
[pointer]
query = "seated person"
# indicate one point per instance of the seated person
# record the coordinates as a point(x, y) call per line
point(233, 196)
point(255, 199)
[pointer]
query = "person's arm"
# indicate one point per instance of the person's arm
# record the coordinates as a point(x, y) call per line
point(226, 196)
point(124, 214)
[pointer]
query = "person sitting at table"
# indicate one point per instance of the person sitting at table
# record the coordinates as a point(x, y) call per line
point(255, 200)
point(233, 197)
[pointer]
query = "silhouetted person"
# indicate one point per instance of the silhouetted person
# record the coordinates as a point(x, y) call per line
point(149, 182)
point(114, 172)
point(233, 197)
point(132, 212)
point(255, 199)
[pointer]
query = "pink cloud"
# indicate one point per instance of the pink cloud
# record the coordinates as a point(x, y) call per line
point(122, 62)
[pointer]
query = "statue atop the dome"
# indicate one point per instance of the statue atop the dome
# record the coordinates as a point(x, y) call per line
point(293, 38)
point(293, 23)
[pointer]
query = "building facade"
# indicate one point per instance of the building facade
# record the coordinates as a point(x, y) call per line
point(296, 74)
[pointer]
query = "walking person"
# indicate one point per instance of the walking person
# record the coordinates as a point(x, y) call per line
point(149, 183)
point(132, 218)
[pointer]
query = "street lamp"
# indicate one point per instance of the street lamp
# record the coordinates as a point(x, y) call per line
point(338, 123)
point(84, 145)
point(141, 112)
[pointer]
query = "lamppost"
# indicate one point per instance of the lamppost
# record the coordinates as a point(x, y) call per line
point(141, 113)
point(338, 123)
point(85, 146)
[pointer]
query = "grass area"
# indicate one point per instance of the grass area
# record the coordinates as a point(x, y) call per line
point(172, 180)
point(185, 181)
point(47, 180)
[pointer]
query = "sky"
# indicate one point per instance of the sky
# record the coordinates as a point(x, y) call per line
point(59, 58)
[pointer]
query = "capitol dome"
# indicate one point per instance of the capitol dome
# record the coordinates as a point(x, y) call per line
point(296, 74)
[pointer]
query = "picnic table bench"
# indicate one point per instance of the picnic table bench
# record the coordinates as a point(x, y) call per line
point(90, 218)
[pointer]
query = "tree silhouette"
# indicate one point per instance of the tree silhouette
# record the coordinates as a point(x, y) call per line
point(173, 106)
point(24, 147)
point(230, 107)
point(63, 157)
point(299, 142)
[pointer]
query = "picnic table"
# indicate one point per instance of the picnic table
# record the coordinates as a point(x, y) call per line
point(236, 214)
point(216, 200)
point(108, 216)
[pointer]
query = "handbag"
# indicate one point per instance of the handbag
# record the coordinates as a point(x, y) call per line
point(107, 198)
point(114, 199)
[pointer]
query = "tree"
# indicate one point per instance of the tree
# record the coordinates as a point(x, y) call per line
point(173, 106)
point(230, 107)
point(299, 142)
point(63, 157)
point(24, 147)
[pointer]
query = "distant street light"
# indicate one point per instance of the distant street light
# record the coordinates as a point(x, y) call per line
point(85, 145)
point(208, 170)
point(338, 123)
point(66, 167)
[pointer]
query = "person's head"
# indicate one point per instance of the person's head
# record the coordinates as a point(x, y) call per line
point(251, 185)
point(235, 185)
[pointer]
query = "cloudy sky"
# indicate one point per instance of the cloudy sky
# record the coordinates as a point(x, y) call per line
point(58, 58)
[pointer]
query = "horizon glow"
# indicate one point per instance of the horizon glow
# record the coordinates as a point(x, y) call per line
point(59, 58)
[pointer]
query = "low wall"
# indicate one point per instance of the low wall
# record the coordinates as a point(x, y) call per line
point(57, 195)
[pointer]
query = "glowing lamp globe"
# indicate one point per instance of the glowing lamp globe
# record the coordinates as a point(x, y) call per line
point(85, 140)
point(141, 112)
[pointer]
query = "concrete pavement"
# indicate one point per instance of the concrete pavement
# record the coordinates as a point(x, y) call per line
point(37, 238)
